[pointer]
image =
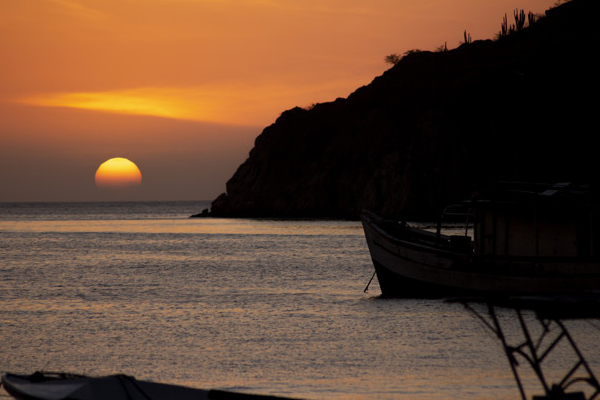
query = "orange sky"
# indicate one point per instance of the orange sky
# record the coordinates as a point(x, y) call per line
point(182, 87)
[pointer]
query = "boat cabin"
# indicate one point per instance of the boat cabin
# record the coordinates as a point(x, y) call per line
point(536, 220)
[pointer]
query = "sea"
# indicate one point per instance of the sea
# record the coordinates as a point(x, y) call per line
point(263, 306)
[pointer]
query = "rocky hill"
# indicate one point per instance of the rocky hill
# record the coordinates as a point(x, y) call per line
point(434, 127)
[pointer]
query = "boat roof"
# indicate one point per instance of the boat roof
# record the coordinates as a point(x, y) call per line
point(536, 193)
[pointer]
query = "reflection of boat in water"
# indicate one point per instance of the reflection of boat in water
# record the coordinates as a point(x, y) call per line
point(568, 378)
point(528, 239)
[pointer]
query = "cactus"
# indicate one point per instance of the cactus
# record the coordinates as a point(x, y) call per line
point(467, 37)
point(519, 19)
point(504, 26)
point(531, 18)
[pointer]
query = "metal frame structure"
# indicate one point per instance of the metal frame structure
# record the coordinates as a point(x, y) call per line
point(535, 350)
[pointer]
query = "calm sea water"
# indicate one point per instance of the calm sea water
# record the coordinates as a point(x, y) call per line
point(259, 306)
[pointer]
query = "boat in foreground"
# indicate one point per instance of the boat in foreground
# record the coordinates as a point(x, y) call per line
point(527, 240)
point(61, 386)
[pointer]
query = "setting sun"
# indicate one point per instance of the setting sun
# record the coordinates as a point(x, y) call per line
point(118, 173)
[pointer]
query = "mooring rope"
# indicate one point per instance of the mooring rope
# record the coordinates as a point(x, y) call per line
point(368, 284)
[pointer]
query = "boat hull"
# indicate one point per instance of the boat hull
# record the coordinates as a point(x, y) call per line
point(407, 268)
point(52, 386)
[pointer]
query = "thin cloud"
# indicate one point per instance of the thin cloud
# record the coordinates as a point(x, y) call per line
point(231, 103)
point(80, 10)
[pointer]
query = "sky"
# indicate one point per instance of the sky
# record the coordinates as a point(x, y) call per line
point(183, 87)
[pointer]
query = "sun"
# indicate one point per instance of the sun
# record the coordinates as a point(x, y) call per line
point(118, 173)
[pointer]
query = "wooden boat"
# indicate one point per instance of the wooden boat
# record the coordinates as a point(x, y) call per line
point(60, 386)
point(527, 239)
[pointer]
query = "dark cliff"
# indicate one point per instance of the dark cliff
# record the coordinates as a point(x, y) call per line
point(434, 127)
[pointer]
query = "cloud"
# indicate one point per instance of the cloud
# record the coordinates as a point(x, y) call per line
point(162, 102)
point(230, 102)
point(78, 9)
